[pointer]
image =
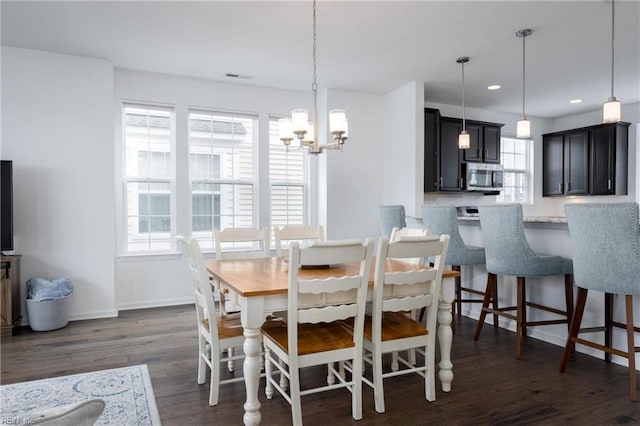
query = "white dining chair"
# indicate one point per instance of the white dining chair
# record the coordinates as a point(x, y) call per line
point(242, 243)
point(313, 334)
point(388, 329)
point(238, 243)
point(287, 234)
point(398, 234)
point(215, 331)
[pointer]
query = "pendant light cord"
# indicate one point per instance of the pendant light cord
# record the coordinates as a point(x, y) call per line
point(523, 79)
point(464, 127)
point(612, 38)
point(314, 85)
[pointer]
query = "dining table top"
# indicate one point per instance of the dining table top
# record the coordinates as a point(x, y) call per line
point(267, 276)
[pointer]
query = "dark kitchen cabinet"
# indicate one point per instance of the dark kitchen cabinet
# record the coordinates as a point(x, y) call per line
point(484, 142)
point(586, 161)
point(576, 163)
point(609, 154)
point(443, 161)
point(431, 138)
point(449, 156)
point(565, 163)
point(553, 165)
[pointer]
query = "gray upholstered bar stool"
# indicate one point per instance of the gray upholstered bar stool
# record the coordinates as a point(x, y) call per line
point(391, 216)
point(507, 252)
point(605, 242)
point(444, 220)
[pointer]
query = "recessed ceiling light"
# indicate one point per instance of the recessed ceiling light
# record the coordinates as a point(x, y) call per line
point(494, 87)
point(575, 101)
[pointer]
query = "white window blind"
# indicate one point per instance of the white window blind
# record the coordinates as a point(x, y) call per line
point(221, 170)
point(148, 140)
point(515, 156)
point(287, 175)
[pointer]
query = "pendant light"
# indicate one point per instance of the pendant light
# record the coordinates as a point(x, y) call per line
point(523, 127)
point(611, 110)
point(463, 138)
point(298, 125)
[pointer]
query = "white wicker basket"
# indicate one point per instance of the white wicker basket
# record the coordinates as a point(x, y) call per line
point(48, 314)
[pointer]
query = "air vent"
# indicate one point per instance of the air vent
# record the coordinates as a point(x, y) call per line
point(233, 75)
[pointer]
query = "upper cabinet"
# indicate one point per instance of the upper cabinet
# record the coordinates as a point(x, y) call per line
point(449, 157)
point(443, 171)
point(586, 161)
point(485, 142)
point(431, 138)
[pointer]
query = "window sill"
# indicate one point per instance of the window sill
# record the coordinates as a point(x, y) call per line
point(148, 257)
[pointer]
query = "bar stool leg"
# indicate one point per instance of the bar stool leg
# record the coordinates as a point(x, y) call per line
point(575, 327)
point(568, 297)
point(608, 326)
point(489, 292)
point(495, 304)
point(522, 300)
point(520, 315)
point(633, 383)
point(458, 305)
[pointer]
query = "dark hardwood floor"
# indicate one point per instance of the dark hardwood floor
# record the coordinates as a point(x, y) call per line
point(490, 385)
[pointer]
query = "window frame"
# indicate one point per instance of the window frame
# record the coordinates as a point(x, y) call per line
point(206, 237)
point(304, 183)
point(528, 171)
point(169, 180)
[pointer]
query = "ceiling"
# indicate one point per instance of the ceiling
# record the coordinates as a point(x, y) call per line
point(368, 46)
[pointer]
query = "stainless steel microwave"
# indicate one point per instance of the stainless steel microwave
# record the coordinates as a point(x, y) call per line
point(484, 177)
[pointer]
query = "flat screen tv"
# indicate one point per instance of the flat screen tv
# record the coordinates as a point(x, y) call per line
point(6, 205)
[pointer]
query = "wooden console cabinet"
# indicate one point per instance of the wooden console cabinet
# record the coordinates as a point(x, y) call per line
point(9, 294)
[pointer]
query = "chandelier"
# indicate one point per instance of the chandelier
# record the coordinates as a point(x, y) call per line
point(299, 127)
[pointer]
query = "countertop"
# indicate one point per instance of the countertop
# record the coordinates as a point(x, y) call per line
point(530, 219)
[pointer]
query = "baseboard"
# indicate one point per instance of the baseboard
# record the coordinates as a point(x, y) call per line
point(155, 303)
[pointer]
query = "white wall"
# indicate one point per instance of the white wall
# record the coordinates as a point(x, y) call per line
point(403, 157)
point(55, 128)
point(353, 178)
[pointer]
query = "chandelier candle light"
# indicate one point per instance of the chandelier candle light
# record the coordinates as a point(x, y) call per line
point(298, 126)
point(611, 110)
point(523, 127)
point(463, 138)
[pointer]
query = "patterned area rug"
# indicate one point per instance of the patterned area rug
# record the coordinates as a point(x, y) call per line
point(127, 391)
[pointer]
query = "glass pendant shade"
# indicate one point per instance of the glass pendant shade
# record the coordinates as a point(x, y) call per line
point(463, 140)
point(611, 111)
point(286, 129)
point(337, 121)
point(309, 135)
point(299, 120)
point(523, 128)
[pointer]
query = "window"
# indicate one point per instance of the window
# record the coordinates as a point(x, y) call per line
point(287, 176)
point(516, 156)
point(221, 170)
point(148, 140)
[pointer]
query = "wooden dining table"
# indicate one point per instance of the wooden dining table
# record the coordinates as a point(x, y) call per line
point(260, 286)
